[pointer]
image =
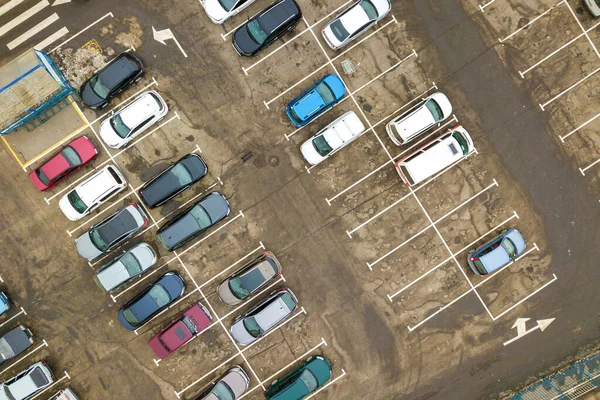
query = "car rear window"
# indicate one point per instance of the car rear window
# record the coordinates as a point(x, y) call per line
point(338, 30)
point(116, 176)
point(160, 103)
point(160, 295)
point(43, 178)
point(131, 264)
point(38, 377)
point(479, 265)
point(325, 92)
point(435, 110)
point(189, 324)
point(252, 327)
point(257, 33)
point(97, 240)
point(289, 301)
point(130, 317)
point(407, 175)
point(98, 87)
point(71, 156)
point(119, 126)
point(309, 380)
point(201, 216)
point(321, 145)
point(76, 202)
point(462, 142)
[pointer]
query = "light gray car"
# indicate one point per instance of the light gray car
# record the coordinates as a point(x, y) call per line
point(14, 342)
point(27, 383)
point(119, 271)
point(593, 6)
point(229, 386)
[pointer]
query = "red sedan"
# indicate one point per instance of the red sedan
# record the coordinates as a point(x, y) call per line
point(72, 157)
point(193, 321)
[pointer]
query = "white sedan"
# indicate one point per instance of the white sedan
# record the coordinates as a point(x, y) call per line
point(220, 10)
point(121, 127)
point(332, 138)
point(354, 21)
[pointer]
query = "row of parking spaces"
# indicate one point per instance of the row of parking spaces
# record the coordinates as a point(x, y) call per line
point(562, 64)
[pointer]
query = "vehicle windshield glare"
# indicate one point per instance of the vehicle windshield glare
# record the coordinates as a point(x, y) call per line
point(71, 156)
point(309, 380)
point(223, 392)
point(160, 295)
point(131, 264)
point(189, 324)
point(97, 240)
point(321, 145)
point(76, 202)
point(98, 87)
point(43, 178)
point(235, 285)
point(369, 8)
point(256, 32)
point(325, 92)
point(227, 4)
point(434, 109)
point(510, 248)
point(252, 327)
point(119, 126)
point(201, 216)
point(130, 317)
point(462, 142)
point(338, 30)
point(181, 174)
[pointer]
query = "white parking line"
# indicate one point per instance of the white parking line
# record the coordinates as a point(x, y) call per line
point(582, 170)
point(532, 21)
point(51, 39)
point(65, 376)
point(23, 17)
point(81, 31)
point(13, 317)
point(562, 138)
point(482, 7)
point(24, 356)
point(543, 106)
point(35, 29)
point(9, 6)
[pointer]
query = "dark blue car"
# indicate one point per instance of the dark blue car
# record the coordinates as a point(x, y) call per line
point(316, 100)
point(151, 301)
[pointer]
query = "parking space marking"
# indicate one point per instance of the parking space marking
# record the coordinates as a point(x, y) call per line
point(582, 170)
point(110, 14)
point(554, 277)
point(65, 376)
point(51, 39)
point(543, 106)
point(328, 384)
point(532, 21)
point(515, 215)
point(23, 17)
point(585, 32)
point(482, 7)
point(562, 138)
point(13, 317)
point(24, 356)
point(432, 225)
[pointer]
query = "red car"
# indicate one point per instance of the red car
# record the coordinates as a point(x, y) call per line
point(193, 321)
point(72, 157)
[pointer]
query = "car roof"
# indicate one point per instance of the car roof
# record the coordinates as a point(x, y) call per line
point(36, 378)
point(354, 19)
point(17, 339)
point(309, 104)
point(415, 122)
point(495, 259)
point(429, 162)
point(343, 129)
point(272, 314)
point(280, 13)
point(121, 222)
point(142, 108)
point(98, 184)
point(177, 333)
point(55, 166)
point(119, 69)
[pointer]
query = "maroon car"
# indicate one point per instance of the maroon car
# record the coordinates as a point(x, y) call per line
point(72, 157)
point(193, 321)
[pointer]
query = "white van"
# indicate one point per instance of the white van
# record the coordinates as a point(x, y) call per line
point(435, 156)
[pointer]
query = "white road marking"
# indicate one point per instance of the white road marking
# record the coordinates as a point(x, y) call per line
point(37, 28)
point(543, 106)
point(13, 317)
point(482, 7)
point(59, 2)
point(532, 21)
point(562, 138)
point(166, 34)
point(9, 6)
point(23, 17)
point(52, 38)
point(66, 376)
point(542, 324)
point(554, 278)
point(81, 31)
point(582, 170)
point(22, 357)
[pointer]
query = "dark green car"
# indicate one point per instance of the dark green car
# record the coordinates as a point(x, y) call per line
point(302, 381)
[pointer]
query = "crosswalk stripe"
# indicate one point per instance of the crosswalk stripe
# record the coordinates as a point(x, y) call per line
point(21, 18)
point(52, 38)
point(39, 27)
point(9, 6)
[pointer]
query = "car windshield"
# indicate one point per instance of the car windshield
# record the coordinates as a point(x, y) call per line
point(119, 126)
point(227, 4)
point(434, 109)
point(369, 9)
point(309, 380)
point(71, 155)
point(479, 265)
point(256, 32)
point(130, 317)
point(160, 295)
point(462, 142)
point(509, 247)
point(294, 115)
point(189, 324)
point(181, 174)
point(201, 216)
point(76, 202)
point(223, 392)
point(325, 92)
point(40, 174)
point(338, 30)
point(98, 87)
point(235, 285)
point(252, 327)
point(97, 240)
point(131, 264)
point(321, 145)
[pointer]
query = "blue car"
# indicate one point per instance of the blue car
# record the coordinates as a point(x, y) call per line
point(4, 303)
point(316, 100)
point(151, 301)
point(497, 252)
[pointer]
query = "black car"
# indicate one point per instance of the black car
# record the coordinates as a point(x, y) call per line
point(266, 27)
point(193, 221)
point(121, 72)
point(14, 342)
point(175, 179)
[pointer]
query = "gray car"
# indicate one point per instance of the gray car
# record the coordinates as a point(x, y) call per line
point(15, 342)
point(111, 231)
point(593, 6)
point(232, 385)
point(27, 383)
point(264, 316)
point(119, 271)
point(496, 253)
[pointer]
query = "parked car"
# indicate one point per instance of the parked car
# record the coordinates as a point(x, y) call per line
point(66, 162)
point(95, 190)
point(302, 381)
point(266, 27)
point(332, 138)
point(111, 231)
point(497, 252)
point(176, 178)
point(220, 11)
point(105, 84)
point(5, 304)
point(419, 119)
point(593, 6)
point(127, 266)
point(130, 121)
point(232, 385)
point(193, 221)
point(15, 342)
point(65, 394)
point(264, 316)
point(249, 279)
point(354, 21)
point(190, 323)
point(323, 95)
point(27, 383)
point(152, 300)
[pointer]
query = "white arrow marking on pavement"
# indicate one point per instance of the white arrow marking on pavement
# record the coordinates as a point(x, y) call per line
point(165, 34)
point(59, 2)
point(520, 323)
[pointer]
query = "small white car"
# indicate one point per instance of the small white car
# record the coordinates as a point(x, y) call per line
point(354, 21)
point(419, 119)
point(132, 263)
point(133, 119)
point(220, 10)
point(332, 138)
point(27, 383)
point(65, 394)
point(92, 192)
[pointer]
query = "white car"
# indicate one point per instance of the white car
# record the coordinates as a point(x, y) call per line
point(127, 123)
point(332, 138)
point(220, 10)
point(354, 21)
point(65, 394)
point(27, 383)
point(92, 192)
point(132, 263)
point(419, 119)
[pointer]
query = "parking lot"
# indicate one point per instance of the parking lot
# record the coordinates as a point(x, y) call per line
point(379, 268)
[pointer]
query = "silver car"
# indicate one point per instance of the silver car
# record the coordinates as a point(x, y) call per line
point(593, 6)
point(126, 267)
point(232, 385)
point(264, 316)
point(27, 383)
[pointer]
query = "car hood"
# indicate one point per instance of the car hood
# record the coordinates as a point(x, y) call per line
point(179, 231)
point(214, 11)
point(86, 248)
point(145, 255)
point(88, 96)
point(240, 334)
point(225, 294)
point(243, 42)
point(109, 136)
point(237, 382)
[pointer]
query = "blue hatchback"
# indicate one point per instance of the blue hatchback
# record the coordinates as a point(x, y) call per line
point(497, 252)
point(4, 303)
point(316, 100)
